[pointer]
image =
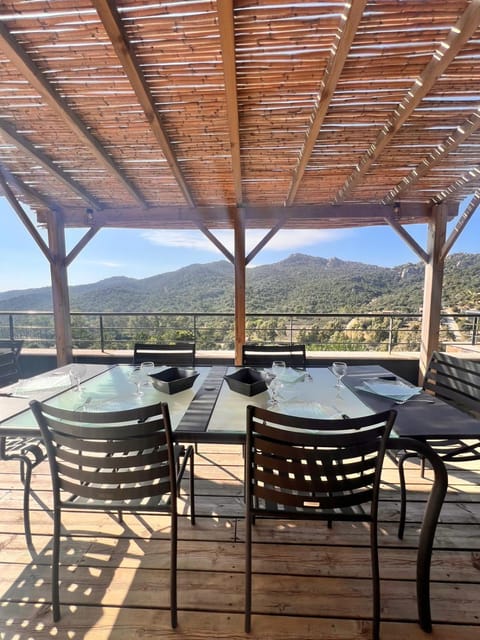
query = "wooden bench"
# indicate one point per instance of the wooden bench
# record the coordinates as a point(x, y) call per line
point(456, 381)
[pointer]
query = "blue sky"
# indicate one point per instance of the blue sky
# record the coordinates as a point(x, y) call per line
point(143, 253)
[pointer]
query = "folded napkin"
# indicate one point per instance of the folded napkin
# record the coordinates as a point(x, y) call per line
point(394, 389)
point(41, 383)
point(307, 410)
point(292, 375)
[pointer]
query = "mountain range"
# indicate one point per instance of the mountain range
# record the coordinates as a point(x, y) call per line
point(300, 283)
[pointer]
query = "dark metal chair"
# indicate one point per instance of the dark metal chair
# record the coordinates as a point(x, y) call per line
point(176, 354)
point(28, 451)
point(257, 355)
point(9, 372)
point(299, 468)
point(116, 461)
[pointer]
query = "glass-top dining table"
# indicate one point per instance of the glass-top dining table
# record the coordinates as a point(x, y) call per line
point(212, 412)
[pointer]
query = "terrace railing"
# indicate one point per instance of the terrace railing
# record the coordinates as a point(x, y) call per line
point(385, 332)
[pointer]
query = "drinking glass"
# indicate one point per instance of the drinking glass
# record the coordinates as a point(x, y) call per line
point(146, 368)
point(76, 373)
point(272, 384)
point(278, 368)
point(339, 369)
point(137, 379)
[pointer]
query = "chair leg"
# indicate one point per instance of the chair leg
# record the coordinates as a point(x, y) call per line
point(375, 581)
point(173, 572)
point(248, 573)
point(26, 468)
point(403, 495)
point(55, 565)
point(192, 488)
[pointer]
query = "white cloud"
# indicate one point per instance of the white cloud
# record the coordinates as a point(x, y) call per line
point(284, 240)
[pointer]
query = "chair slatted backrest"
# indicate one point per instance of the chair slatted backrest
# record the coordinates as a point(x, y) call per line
point(8, 368)
point(299, 467)
point(455, 380)
point(177, 354)
point(254, 355)
point(122, 458)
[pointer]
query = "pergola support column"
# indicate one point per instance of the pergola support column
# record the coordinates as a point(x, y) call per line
point(432, 293)
point(60, 295)
point(240, 270)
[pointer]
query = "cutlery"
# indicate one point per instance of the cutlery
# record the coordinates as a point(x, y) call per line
point(427, 400)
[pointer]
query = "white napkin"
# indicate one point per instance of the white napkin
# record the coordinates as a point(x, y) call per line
point(307, 410)
point(292, 375)
point(394, 389)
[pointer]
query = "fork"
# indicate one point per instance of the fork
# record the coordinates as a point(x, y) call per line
point(427, 400)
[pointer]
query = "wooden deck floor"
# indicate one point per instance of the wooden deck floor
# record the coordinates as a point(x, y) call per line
point(310, 582)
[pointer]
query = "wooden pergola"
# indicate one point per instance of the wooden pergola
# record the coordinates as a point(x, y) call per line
point(248, 114)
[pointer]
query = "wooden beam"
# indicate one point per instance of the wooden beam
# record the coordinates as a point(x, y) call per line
point(412, 243)
point(449, 145)
point(266, 239)
point(112, 23)
point(461, 224)
point(432, 292)
point(60, 295)
point(240, 287)
point(37, 79)
point(27, 192)
point(227, 43)
point(81, 244)
point(28, 224)
point(9, 133)
point(255, 216)
point(443, 56)
point(324, 96)
point(214, 240)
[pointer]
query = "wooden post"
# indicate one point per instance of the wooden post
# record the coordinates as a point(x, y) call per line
point(239, 266)
point(60, 296)
point(432, 293)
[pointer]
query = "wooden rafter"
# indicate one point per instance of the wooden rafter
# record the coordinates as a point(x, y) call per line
point(27, 191)
point(460, 226)
point(24, 217)
point(227, 41)
point(442, 57)
point(81, 244)
point(332, 74)
point(108, 14)
point(266, 239)
point(8, 132)
point(33, 74)
point(452, 142)
point(214, 240)
point(412, 243)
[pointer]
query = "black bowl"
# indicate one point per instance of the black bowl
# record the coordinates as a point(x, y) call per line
point(246, 381)
point(174, 379)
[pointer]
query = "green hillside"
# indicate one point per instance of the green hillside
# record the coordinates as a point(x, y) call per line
point(300, 283)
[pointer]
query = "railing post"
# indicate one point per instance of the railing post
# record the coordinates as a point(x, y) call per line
point(11, 327)
point(390, 334)
point(195, 328)
point(474, 330)
point(102, 337)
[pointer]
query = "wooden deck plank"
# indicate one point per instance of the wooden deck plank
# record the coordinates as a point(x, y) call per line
point(309, 581)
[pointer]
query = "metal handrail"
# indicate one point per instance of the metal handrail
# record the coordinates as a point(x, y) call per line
point(385, 332)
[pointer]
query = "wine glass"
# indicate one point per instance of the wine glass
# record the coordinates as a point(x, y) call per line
point(339, 370)
point(146, 368)
point(137, 377)
point(272, 385)
point(278, 368)
point(76, 373)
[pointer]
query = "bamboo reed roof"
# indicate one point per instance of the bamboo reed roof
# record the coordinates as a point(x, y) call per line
point(303, 113)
